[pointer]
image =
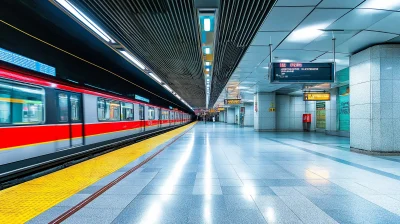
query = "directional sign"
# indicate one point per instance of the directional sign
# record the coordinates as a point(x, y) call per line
point(317, 97)
point(232, 101)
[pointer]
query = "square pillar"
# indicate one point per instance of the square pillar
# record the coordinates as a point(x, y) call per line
point(264, 119)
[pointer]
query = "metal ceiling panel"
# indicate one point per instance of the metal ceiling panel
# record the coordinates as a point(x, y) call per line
point(297, 2)
point(359, 19)
point(389, 24)
point(324, 42)
point(275, 21)
point(363, 40)
point(395, 40)
point(163, 34)
point(263, 38)
point(308, 30)
point(381, 4)
point(298, 55)
point(349, 4)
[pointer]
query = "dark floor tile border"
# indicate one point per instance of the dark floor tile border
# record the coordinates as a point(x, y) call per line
point(379, 172)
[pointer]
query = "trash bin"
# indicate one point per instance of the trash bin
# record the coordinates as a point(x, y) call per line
point(307, 122)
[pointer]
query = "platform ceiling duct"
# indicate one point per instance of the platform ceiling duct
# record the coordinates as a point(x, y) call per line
point(163, 34)
point(238, 23)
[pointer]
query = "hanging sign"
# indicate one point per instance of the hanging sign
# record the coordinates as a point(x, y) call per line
point(317, 97)
point(221, 108)
point(137, 97)
point(232, 101)
point(296, 72)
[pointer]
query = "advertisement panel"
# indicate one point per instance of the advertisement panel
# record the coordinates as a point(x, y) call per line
point(321, 115)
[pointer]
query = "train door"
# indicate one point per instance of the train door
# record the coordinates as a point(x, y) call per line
point(141, 118)
point(69, 113)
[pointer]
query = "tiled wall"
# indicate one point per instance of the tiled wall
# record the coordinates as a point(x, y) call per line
point(249, 114)
point(375, 98)
point(264, 120)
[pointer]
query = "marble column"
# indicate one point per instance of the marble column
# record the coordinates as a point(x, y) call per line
point(375, 100)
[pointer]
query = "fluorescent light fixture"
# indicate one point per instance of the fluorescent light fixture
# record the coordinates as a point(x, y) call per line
point(307, 34)
point(207, 50)
point(379, 4)
point(207, 24)
point(207, 69)
point(168, 88)
point(134, 60)
point(155, 77)
point(84, 19)
point(208, 75)
point(208, 63)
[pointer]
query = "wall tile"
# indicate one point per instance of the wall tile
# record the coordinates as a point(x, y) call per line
point(360, 93)
point(360, 134)
point(386, 88)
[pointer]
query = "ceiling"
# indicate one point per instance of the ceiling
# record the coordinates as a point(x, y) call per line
point(293, 27)
point(164, 35)
point(238, 23)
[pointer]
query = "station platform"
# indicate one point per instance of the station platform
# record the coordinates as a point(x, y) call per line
point(216, 173)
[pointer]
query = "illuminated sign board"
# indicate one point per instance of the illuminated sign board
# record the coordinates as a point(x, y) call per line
point(232, 101)
point(221, 108)
point(212, 111)
point(25, 62)
point(141, 98)
point(295, 72)
point(317, 97)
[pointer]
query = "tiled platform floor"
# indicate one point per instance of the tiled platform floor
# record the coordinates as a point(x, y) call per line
point(219, 173)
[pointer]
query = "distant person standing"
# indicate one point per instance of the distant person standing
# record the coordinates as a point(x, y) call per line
point(213, 118)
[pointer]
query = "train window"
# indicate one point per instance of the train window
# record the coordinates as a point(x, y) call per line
point(115, 110)
point(27, 104)
point(62, 107)
point(141, 112)
point(152, 114)
point(101, 110)
point(108, 110)
point(75, 108)
point(5, 103)
point(127, 111)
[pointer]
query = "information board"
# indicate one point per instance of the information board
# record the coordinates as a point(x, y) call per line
point(232, 101)
point(295, 72)
point(25, 62)
point(316, 96)
point(141, 98)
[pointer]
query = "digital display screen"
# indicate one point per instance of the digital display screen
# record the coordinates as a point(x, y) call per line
point(295, 72)
point(25, 62)
point(141, 98)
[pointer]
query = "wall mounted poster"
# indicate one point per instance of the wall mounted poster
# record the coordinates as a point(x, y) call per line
point(321, 115)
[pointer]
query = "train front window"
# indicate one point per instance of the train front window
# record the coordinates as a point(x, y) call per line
point(5, 103)
point(27, 104)
point(127, 111)
point(75, 108)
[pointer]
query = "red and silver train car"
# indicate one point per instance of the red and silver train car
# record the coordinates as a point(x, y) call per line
point(43, 120)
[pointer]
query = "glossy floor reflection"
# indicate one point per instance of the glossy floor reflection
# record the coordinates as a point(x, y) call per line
point(219, 173)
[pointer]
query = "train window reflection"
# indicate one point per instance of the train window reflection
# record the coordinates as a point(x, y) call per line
point(127, 111)
point(75, 108)
point(62, 107)
point(152, 114)
point(5, 103)
point(141, 112)
point(27, 104)
point(108, 110)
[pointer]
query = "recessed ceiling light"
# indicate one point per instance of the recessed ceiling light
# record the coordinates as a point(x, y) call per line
point(207, 50)
point(207, 24)
point(208, 63)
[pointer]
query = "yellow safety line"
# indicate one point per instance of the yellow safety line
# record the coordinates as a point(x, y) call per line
point(21, 203)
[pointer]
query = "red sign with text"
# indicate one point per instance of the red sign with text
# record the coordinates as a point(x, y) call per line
point(306, 118)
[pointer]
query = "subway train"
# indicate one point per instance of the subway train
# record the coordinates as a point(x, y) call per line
point(44, 120)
